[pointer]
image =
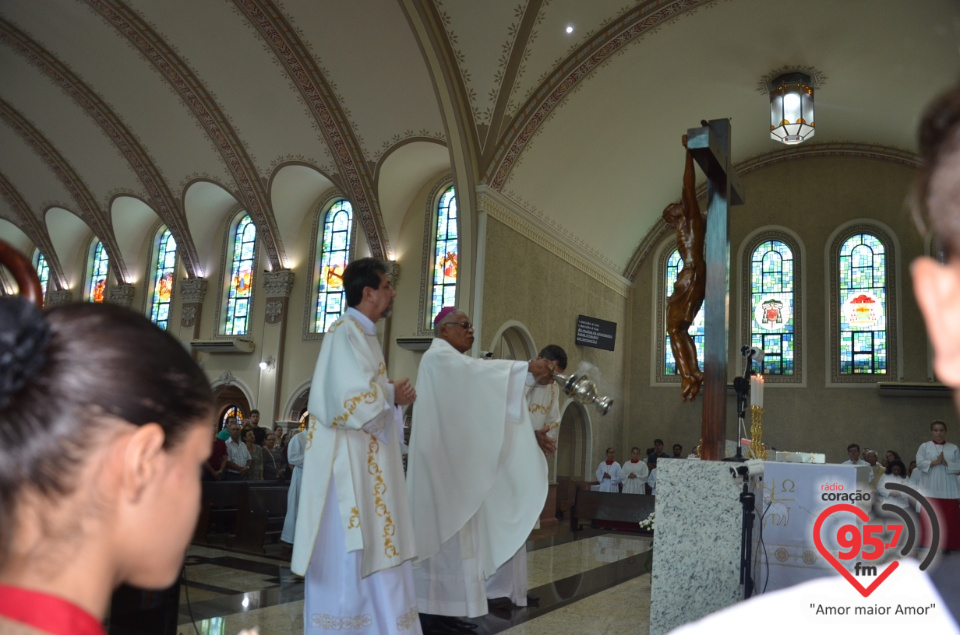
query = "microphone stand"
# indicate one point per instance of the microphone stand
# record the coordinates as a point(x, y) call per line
point(742, 387)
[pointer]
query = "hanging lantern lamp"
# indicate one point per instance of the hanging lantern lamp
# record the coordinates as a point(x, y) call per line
point(791, 108)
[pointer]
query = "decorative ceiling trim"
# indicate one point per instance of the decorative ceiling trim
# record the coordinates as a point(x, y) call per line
point(843, 150)
point(161, 198)
point(300, 65)
point(90, 212)
point(498, 206)
point(578, 66)
point(211, 117)
point(35, 230)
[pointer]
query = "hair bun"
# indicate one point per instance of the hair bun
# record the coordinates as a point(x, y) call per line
point(23, 343)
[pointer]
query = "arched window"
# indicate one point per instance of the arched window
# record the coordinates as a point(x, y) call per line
point(674, 263)
point(164, 270)
point(98, 267)
point(236, 320)
point(863, 306)
point(43, 271)
point(334, 243)
point(443, 281)
point(773, 318)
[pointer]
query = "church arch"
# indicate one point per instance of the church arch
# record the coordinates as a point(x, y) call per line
point(513, 341)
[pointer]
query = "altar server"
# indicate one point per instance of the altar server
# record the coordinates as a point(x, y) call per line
point(476, 474)
point(508, 586)
point(634, 474)
point(608, 473)
point(354, 538)
point(939, 463)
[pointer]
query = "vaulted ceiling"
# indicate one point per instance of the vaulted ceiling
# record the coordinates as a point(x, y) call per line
point(116, 113)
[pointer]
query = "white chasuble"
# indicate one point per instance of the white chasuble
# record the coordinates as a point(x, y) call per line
point(353, 439)
point(543, 402)
point(474, 459)
point(637, 484)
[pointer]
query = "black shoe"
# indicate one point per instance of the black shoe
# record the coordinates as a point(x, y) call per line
point(533, 600)
point(503, 604)
point(434, 625)
point(462, 625)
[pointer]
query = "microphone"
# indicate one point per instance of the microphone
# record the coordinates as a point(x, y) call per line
point(752, 351)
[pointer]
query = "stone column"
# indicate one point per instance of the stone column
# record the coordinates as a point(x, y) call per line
point(121, 294)
point(192, 292)
point(278, 285)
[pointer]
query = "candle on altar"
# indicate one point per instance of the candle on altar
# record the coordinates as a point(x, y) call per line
point(756, 390)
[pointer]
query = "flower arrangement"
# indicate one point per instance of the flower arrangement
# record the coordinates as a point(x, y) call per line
point(647, 523)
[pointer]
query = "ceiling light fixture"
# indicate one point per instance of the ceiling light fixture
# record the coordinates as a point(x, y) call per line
point(569, 29)
point(791, 108)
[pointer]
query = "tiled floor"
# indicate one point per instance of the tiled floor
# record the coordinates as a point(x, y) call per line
point(588, 581)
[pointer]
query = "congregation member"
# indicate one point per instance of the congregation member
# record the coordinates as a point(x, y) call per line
point(238, 457)
point(354, 539)
point(677, 451)
point(214, 467)
point(938, 462)
point(608, 472)
point(634, 474)
point(658, 452)
point(273, 468)
point(255, 473)
point(254, 419)
point(507, 588)
point(100, 483)
point(652, 477)
point(474, 509)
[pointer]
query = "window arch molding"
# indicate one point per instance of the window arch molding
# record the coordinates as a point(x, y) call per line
point(236, 216)
point(156, 238)
point(429, 245)
point(747, 248)
point(891, 247)
point(659, 376)
point(322, 208)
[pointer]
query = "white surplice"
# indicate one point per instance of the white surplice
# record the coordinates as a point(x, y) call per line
point(355, 539)
point(636, 485)
point(609, 484)
point(939, 481)
point(294, 458)
point(476, 475)
point(510, 581)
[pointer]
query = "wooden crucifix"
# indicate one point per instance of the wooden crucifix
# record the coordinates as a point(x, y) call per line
point(710, 147)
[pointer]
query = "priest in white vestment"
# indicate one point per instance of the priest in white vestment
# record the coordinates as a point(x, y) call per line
point(508, 586)
point(476, 474)
point(633, 474)
point(608, 473)
point(354, 539)
point(294, 458)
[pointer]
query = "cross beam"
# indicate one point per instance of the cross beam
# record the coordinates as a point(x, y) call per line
point(710, 146)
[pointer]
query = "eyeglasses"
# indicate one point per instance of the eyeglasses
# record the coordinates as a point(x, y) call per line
point(466, 326)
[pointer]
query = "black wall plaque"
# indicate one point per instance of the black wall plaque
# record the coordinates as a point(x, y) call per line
point(595, 332)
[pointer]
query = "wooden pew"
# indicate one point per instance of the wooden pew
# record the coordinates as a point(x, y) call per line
point(220, 501)
point(262, 512)
point(610, 510)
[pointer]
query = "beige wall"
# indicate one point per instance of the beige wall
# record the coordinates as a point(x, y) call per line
point(812, 198)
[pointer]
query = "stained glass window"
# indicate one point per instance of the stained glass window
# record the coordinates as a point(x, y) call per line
point(334, 256)
point(99, 265)
point(863, 300)
point(43, 271)
point(240, 292)
point(772, 304)
point(445, 255)
point(164, 270)
point(674, 265)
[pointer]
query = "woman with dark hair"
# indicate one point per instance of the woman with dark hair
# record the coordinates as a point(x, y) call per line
point(104, 427)
point(255, 473)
